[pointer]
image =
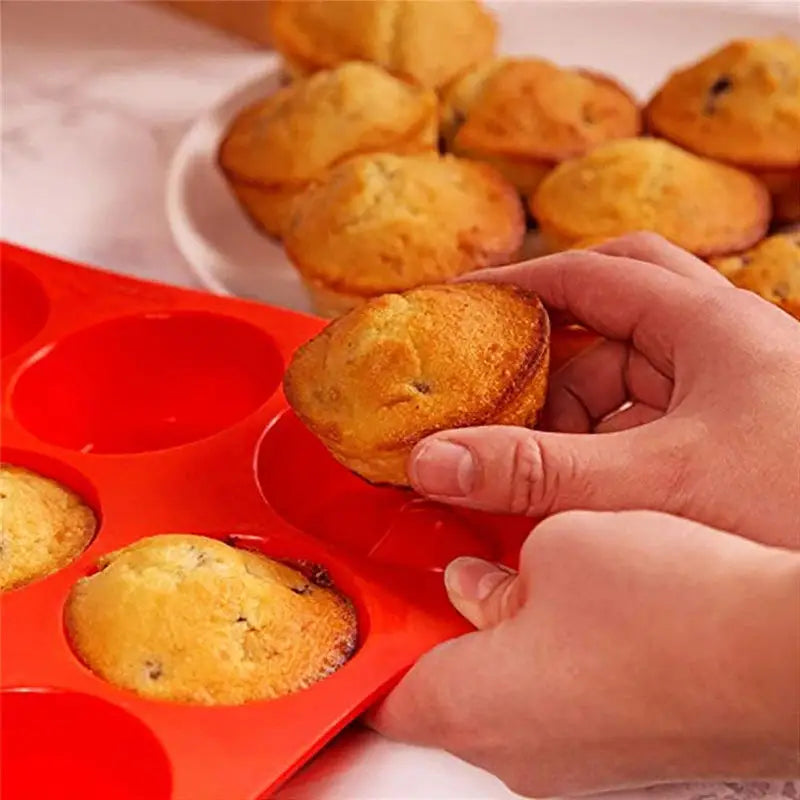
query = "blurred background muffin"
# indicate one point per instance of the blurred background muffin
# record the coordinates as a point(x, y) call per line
point(386, 223)
point(428, 41)
point(631, 185)
point(190, 619)
point(276, 147)
point(770, 269)
point(741, 105)
point(524, 116)
point(43, 526)
point(400, 367)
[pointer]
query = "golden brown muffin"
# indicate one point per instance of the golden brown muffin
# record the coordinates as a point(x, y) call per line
point(428, 41)
point(190, 619)
point(403, 366)
point(45, 526)
point(649, 184)
point(771, 269)
point(386, 223)
point(276, 147)
point(524, 116)
point(741, 105)
point(784, 186)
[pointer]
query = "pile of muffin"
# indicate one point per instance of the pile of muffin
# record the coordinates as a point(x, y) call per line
point(404, 152)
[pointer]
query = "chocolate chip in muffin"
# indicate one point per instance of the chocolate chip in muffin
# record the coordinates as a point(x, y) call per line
point(319, 576)
point(153, 669)
point(421, 387)
point(781, 290)
point(721, 86)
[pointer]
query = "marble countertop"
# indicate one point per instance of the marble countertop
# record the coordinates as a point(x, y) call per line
point(96, 96)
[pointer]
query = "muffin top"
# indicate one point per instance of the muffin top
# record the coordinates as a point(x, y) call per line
point(303, 129)
point(533, 109)
point(402, 366)
point(771, 269)
point(44, 526)
point(739, 104)
point(428, 41)
point(190, 619)
point(383, 223)
point(650, 184)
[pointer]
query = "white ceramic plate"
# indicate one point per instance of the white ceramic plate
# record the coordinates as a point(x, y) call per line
point(638, 42)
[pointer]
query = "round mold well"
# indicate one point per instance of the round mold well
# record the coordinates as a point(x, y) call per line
point(149, 382)
point(68, 477)
point(75, 746)
point(306, 486)
point(24, 307)
point(304, 558)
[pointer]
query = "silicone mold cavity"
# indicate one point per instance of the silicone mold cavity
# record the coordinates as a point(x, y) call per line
point(147, 383)
point(390, 526)
point(72, 746)
point(24, 307)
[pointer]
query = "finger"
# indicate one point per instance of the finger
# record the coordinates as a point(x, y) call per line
point(647, 246)
point(597, 382)
point(444, 695)
point(632, 417)
point(520, 471)
point(577, 396)
point(567, 342)
point(482, 592)
point(619, 298)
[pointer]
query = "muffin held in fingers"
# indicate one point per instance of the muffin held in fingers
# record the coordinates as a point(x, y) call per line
point(632, 185)
point(192, 620)
point(386, 223)
point(524, 116)
point(402, 366)
point(740, 104)
point(770, 269)
point(428, 41)
point(275, 148)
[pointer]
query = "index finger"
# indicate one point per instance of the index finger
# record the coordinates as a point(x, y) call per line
point(438, 703)
point(620, 298)
point(646, 246)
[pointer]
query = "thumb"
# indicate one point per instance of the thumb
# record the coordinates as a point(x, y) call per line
point(520, 471)
point(482, 592)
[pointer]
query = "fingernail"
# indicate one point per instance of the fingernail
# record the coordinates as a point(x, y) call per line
point(443, 469)
point(473, 579)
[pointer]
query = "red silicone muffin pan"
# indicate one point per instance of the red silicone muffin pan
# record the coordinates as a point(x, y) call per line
point(163, 409)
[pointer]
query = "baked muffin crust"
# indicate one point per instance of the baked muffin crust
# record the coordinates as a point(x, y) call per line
point(403, 366)
point(428, 41)
point(45, 526)
point(740, 104)
point(649, 184)
point(190, 619)
point(770, 269)
point(385, 223)
point(523, 116)
point(274, 148)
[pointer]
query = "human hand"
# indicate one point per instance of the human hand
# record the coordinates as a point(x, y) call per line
point(713, 376)
point(632, 648)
